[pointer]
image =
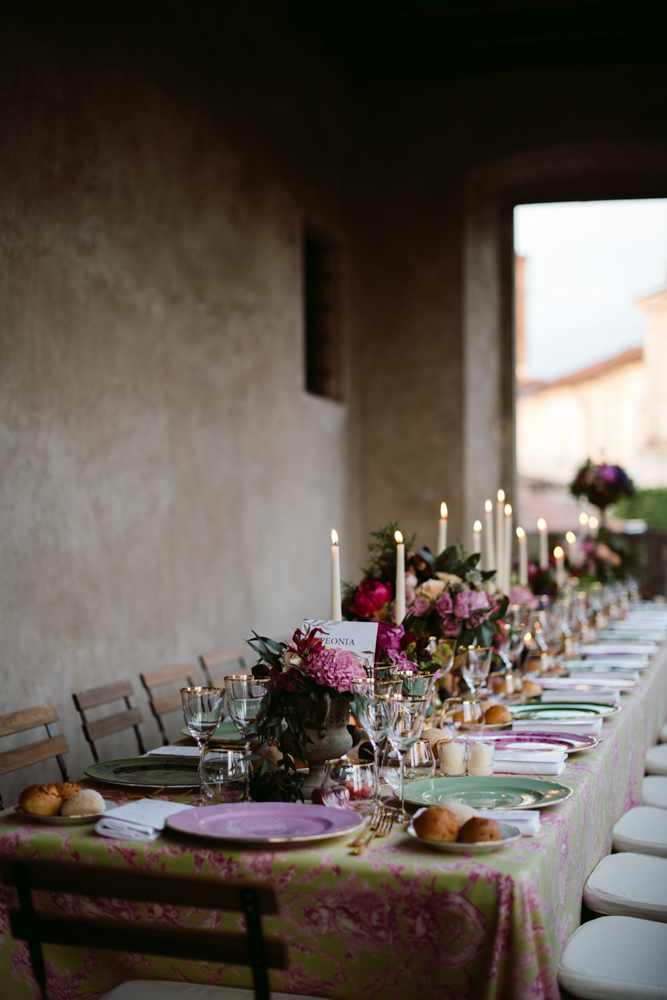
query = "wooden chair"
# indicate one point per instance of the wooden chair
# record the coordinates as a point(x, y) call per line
point(130, 718)
point(36, 752)
point(182, 673)
point(245, 948)
point(218, 665)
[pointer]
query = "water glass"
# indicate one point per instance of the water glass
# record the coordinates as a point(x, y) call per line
point(225, 774)
point(245, 695)
point(475, 664)
point(403, 719)
point(367, 707)
point(203, 712)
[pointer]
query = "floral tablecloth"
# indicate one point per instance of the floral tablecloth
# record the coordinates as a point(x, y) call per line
point(398, 922)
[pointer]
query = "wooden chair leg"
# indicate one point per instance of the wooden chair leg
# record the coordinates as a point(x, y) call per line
point(34, 945)
point(250, 904)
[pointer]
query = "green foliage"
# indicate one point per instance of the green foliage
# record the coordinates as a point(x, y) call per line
point(382, 553)
point(649, 505)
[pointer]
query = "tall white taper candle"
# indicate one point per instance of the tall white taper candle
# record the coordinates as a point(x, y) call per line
point(559, 556)
point(572, 553)
point(442, 528)
point(507, 549)
point(523, 557)
point(500, 538)
point(489, 558)
point(399, 613)
point(477, 537)
point(336, 608)
point(544, 543)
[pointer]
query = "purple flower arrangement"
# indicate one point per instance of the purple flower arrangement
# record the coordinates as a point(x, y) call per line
point(602, 485)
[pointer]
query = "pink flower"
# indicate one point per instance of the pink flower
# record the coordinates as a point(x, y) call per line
point(389, 637)
point(409, 596)
point(370, 597)
point(523, 596)
point(421, 606)
point(334, 668)
point(445, 608)
point(400, 659)
point(472, 605)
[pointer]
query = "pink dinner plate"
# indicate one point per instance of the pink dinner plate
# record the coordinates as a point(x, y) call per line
point(266, 822)
point(568, 742)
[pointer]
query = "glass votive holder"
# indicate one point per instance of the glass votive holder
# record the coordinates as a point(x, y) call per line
point(349, 783)
point(419, 761)
point(224, 778)
point(452, 758)
point(479, 758)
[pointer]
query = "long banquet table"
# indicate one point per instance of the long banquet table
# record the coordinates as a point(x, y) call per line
point(398, 922)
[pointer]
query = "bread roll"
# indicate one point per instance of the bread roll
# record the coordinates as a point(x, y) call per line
point(66, 788)
point(499, 685)
point(462, 812)
point(479, 831)
point(85, 802)
point(436, 823)
point(40, 800)
point(497, 714)
point(434, 736)
point(531, 688)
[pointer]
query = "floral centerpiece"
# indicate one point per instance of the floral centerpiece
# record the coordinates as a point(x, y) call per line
point(602, 484)
point(306, 709)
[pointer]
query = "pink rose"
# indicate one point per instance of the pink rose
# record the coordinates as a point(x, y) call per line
point(370, 597)
point(389, 638)
point(445, 608)
point(421, 606)
point(522, 596)
point(471, 605)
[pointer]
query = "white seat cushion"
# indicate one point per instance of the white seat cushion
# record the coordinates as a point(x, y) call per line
point(654, 791)
point(144, 989)
point(634, 885)
point(616, 958)
point(656, 759)
point(643, 831)
point(663, 734)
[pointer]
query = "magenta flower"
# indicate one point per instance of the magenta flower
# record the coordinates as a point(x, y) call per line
point(421, 606)
point(370, 597)
point(472, 606)
point(445, 608)
point(389, 638)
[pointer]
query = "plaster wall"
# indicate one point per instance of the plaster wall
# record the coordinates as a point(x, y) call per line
point(167, 484)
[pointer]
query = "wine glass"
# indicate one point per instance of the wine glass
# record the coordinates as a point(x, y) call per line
point(367, 709)
point(475, 663)
point(512, 642)
point(245, 694)
point(403, 719)
point(203, 709)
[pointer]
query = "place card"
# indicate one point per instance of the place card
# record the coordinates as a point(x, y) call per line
point(359, 638)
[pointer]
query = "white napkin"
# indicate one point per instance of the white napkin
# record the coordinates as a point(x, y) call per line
point(620, 649)
point(594, 681)
point(526, 820)
point(601, 696)
point(610, 663)
point(591, 673)
point(584, 727)
point(174, 751)
point(529, 762)
point(142, 820)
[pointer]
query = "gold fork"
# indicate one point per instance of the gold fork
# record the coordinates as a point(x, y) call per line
point(381, 829)
point(371, 824)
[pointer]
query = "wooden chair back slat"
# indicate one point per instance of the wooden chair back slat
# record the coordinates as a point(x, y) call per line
point(232, 654)
point(175, 890)
point(103, 695)
point(32, 753)
point(27, 718)
point(229, 948)
point(168, 703)
point(36, 927)
point(113, 724)
point(169, 675)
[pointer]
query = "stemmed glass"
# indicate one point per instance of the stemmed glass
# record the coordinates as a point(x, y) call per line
point(245, 694)
point(203, 710)
point(370, 693)
point(475, 663)
point(512, 643)
point(403, 718)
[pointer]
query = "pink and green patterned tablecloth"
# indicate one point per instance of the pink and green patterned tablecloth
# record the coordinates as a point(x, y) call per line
point(398, 922)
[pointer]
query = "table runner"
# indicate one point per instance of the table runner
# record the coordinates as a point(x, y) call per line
point(397, 922)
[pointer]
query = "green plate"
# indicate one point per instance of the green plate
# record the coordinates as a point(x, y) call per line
point(563, 711)
point(141, 772)
point(226, 731)
point(497, 792)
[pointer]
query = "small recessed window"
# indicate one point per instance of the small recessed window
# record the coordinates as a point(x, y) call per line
point(321, 306)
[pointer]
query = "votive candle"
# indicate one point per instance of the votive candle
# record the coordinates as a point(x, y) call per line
point(452, 761)
point(480, 759)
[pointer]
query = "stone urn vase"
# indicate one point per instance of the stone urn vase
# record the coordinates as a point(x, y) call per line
point(325, 725)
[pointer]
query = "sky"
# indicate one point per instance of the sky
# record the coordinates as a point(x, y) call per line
point(587, 263)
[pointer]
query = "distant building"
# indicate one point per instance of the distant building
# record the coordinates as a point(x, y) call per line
point(614, 411)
